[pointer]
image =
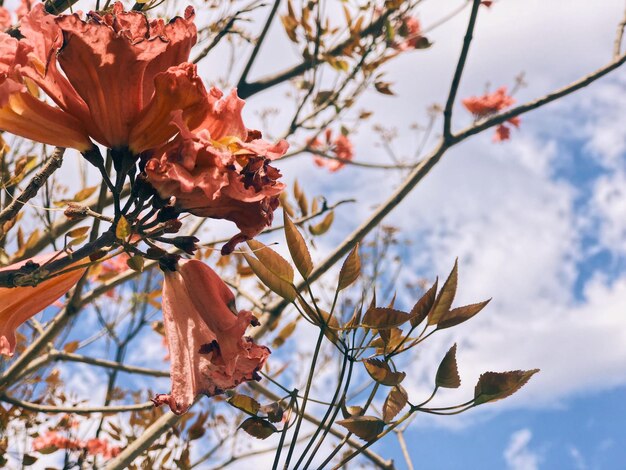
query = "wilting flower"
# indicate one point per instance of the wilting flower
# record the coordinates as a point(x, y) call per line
point(492, 103)
point(204, 332)
point(18, 304)
point(122, 77)
point(341, 147)
point(220, 170)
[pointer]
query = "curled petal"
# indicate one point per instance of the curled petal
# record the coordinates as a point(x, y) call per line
point(112, 60)
point(18, 304)
point(208, 352)
point(24, 115)
point(177, 89)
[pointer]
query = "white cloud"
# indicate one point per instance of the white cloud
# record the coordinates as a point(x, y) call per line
point(518, 455)
point(577, 458)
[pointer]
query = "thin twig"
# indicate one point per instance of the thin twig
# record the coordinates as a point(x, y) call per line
point(31, 190)
point(456, 79)
point(257, 45)
point(74, 409)
point(617, 46)
point(419, 172)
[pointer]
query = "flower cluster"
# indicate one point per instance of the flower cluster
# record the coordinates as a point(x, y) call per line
point(341, 147)
point(194, 154)
point(53, 440)
point(220, 169)
point(490, 104)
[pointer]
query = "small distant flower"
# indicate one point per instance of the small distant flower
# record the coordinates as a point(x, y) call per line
point(209, 353)
point(341, 147)
point(18, 304)
point(220, 169)
point(102, 447)
point(411, 31)
point(490, 104)
point(53, 440)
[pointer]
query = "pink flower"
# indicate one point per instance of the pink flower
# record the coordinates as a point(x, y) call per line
point(489, 103)
point(92, 98)
point(18, 304)
point(23, 114)
point(502, 133)
point(204, 331)
point(52, 440)
point(220, 170)
point(492, 103)
point(341, 146)
point(98, 52)
point(98, 446)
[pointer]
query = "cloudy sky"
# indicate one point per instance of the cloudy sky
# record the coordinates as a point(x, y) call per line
point(538, 223)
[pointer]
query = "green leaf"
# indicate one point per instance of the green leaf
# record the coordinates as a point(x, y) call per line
point(382, 318)
point(350, 270)
point(271, 280)
point(381, 372)
point(245, 403)
point(494, 386)
point(448, 373)
point(420, 310)
point(365, 427)
point(259, 428)
point(297, 247)
point(445, 297)
point(395, 401)
point(460, 314)
point(272, 260)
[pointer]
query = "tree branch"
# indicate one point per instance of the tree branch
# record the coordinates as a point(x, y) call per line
point(456, 79)
point(74, 409)
point(257, 46)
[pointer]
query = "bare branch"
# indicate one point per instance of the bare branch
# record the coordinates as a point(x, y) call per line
point(539, 102)
point(74, 409)
point(456, 79)
point(257, 46)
